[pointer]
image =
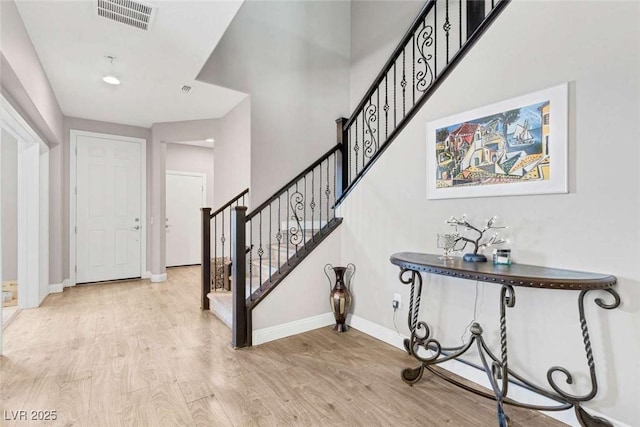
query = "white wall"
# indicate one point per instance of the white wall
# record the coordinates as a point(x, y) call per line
point(532, 45)
point(295, 69)
point(232, 157)
point(9, 206)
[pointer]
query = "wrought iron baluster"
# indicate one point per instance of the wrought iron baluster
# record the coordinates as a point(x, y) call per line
point(335, 184)
point(378, 110)
point(364, 142)
point(270, 257)
point(304, 214)
point(279, 235)
point(320, 197)
point(435, 42)
point(395, 105)
point(312, 205)
point(288, 230)
point(413, 68)
point(460, 23)
point(355, 146)
point(386, 106)
point(327, 191)
point(250, 222)
point(260, 250)
point(403, 83)
point(215, 252)
point(222, 238)
point(446, 27)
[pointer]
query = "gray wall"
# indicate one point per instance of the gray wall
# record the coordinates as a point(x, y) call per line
point(9, 207)
point(23, 78)
point(295, 69)
point(372, 46)
point(592, 228)
point(232, 155)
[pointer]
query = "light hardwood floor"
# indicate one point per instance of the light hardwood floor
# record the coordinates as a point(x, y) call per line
point(142, 354)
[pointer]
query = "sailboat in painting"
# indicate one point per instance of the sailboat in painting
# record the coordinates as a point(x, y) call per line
point(522, 136)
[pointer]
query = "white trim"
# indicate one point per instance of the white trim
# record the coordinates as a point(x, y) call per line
point(73, 134)
point(146, 275)
point(56, 288)
point(157, 278)
point(15, 124)
point(284, 330)
point(66, 283)
point(470, 373)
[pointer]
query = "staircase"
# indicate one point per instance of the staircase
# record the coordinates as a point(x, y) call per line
point(261, 248)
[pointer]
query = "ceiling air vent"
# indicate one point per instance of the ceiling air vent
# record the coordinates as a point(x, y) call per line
point(128, 12)
point(185, 89)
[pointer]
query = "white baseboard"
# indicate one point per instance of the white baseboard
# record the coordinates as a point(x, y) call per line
point(56, 288)
point(146, 275)
point(473, 374)
point(272, 333)
point(157, 278)
point(66, 283)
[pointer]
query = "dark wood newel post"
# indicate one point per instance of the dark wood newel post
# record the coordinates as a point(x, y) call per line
point(206, 258)
point(239, 325)
point(342, 174)
point(475, 15)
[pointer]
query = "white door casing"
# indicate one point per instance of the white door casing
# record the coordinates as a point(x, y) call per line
point(108, 207)
point(185, 195)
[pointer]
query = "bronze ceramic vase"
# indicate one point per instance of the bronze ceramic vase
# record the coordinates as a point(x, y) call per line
point(340, 295)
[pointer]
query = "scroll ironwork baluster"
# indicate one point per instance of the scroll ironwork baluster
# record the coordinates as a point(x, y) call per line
point(279, 235)
point(435, 42)
point(335, 184)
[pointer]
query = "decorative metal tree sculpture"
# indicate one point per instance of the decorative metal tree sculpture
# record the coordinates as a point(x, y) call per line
point(478, 245)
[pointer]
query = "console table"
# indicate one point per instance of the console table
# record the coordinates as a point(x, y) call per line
point(508, 277)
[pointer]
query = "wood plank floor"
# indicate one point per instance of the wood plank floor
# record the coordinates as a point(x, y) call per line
point(142, 354)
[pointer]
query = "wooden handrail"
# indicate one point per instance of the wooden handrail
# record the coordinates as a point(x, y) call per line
point(229, 203)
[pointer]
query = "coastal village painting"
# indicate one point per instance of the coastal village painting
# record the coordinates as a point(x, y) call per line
point(511, 146)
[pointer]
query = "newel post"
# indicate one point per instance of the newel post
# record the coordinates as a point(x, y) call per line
point(238, 273)
point(342, 174)
point(206, 258)
point(475, 15)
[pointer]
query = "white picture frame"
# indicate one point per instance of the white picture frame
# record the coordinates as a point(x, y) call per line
point(472, 154)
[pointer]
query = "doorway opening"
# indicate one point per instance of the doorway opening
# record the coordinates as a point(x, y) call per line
point(24, 214)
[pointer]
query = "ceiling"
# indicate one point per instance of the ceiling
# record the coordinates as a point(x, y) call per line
point(72, 42)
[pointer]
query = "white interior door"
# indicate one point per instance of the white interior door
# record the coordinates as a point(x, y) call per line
point(109, 211)
point(186, 194)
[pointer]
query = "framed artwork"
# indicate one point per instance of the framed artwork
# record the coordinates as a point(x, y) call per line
point(513, 147)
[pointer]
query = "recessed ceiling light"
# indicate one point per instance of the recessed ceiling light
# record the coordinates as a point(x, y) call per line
point(112, 80)
point(209, 140)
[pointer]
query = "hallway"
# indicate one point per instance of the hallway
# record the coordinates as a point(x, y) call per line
point(142, 354)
